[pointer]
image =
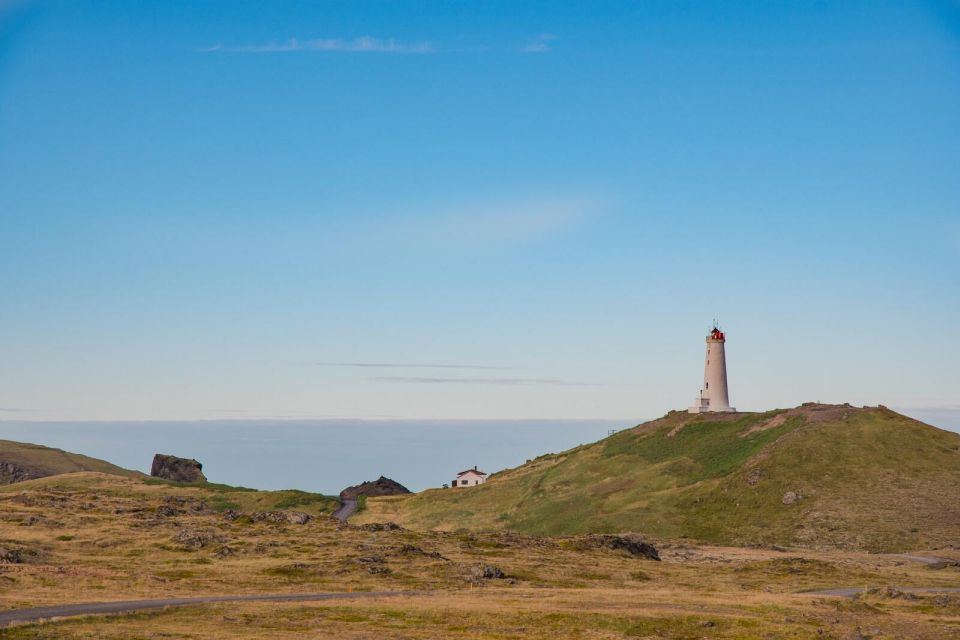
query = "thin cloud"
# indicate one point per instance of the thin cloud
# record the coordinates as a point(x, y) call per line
point(368, 44)
point(484, 221)
point(540, 44)
point(364, 44)
point(491, 381)
point(407, 365)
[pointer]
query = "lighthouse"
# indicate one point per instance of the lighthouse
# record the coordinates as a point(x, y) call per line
point(713, 396)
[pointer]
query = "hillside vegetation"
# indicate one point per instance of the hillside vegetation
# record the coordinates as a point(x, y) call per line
point(98, 537)
point(820, 476)
point(22, 461)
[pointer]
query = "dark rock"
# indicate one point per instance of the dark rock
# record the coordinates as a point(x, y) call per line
point(374, 564)
point(10, 472)
point(487, 572)
point(375, 569)
point(891, 593)
point(409, 549)
point(381, 526)
point(631, 543)
point(790, 497)
point(177, 469)
point(754, 477)
point(231, 514)
point(167, 511)
point(288, 517)
point(196, 538)
point(11, 556)
point(176, 506)
point(379, 487)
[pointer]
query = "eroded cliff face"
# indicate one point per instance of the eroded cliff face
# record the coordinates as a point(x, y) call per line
point(178, 469)
point(11, 472)
point(380, 487)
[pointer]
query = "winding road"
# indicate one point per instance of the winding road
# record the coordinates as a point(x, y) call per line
point(347, 509)
point(931, 561)
point(849, 592)
point(126, 606)
point(37, 614)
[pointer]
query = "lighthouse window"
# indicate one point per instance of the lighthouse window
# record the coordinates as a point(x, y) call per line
point(708, 385)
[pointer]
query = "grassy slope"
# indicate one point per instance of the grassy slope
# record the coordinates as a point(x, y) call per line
point(217, 497)
point(870, 479)
point(41, 460)
point(89, 536)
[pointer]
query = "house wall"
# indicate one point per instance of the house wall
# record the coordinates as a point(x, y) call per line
point(471, 479)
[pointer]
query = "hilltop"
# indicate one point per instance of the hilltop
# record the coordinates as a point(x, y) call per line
point(819, 476)
point(21, 461)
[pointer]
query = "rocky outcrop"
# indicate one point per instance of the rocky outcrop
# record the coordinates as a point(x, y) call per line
point(380, 487)
point(291, 517)
point(178, 469)
point(10, 472)
point(631, 543)
point(197, 538)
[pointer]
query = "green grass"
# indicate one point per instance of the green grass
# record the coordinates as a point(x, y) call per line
point(217, 497)
point(869, 479)
point(297, 499)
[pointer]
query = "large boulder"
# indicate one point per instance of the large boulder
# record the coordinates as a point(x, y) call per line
point(632, 543)
point(379, 487)
point(178, 469)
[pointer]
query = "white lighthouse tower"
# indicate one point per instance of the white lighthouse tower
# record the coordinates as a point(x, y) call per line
point(713, 396)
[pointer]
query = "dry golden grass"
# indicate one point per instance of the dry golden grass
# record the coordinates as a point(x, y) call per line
point(91, 537)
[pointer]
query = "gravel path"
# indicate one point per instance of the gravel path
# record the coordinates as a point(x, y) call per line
point(347, 509)
point(126, 606)
point(849, 592)
point(931, 561)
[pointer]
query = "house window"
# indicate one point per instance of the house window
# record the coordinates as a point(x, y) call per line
point(463, 482)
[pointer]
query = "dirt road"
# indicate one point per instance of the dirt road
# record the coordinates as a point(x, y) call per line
point(347, 509)
point(126, 606)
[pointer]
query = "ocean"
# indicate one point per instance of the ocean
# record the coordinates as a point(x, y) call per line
point(318, 455)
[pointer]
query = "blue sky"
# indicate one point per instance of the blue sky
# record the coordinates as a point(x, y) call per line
point(475, 210)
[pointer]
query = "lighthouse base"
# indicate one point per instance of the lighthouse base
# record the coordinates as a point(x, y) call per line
point(702, 405)
point(696, 409)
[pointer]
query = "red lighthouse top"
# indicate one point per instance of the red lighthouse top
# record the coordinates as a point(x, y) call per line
point(716, 334)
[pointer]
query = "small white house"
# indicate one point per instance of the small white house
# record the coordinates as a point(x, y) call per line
point(469, 478)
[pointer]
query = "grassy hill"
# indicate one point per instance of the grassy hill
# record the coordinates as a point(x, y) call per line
point(84, 537)
point(867, 479)
point(22, 461)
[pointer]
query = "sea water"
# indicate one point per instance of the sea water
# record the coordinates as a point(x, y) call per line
point(323, 455)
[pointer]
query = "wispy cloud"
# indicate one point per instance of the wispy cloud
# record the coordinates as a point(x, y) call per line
point(491, 381)
point(485, 221)
point(364, 44)
point(540, 44)
point(407, 365)
point(368, 44)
